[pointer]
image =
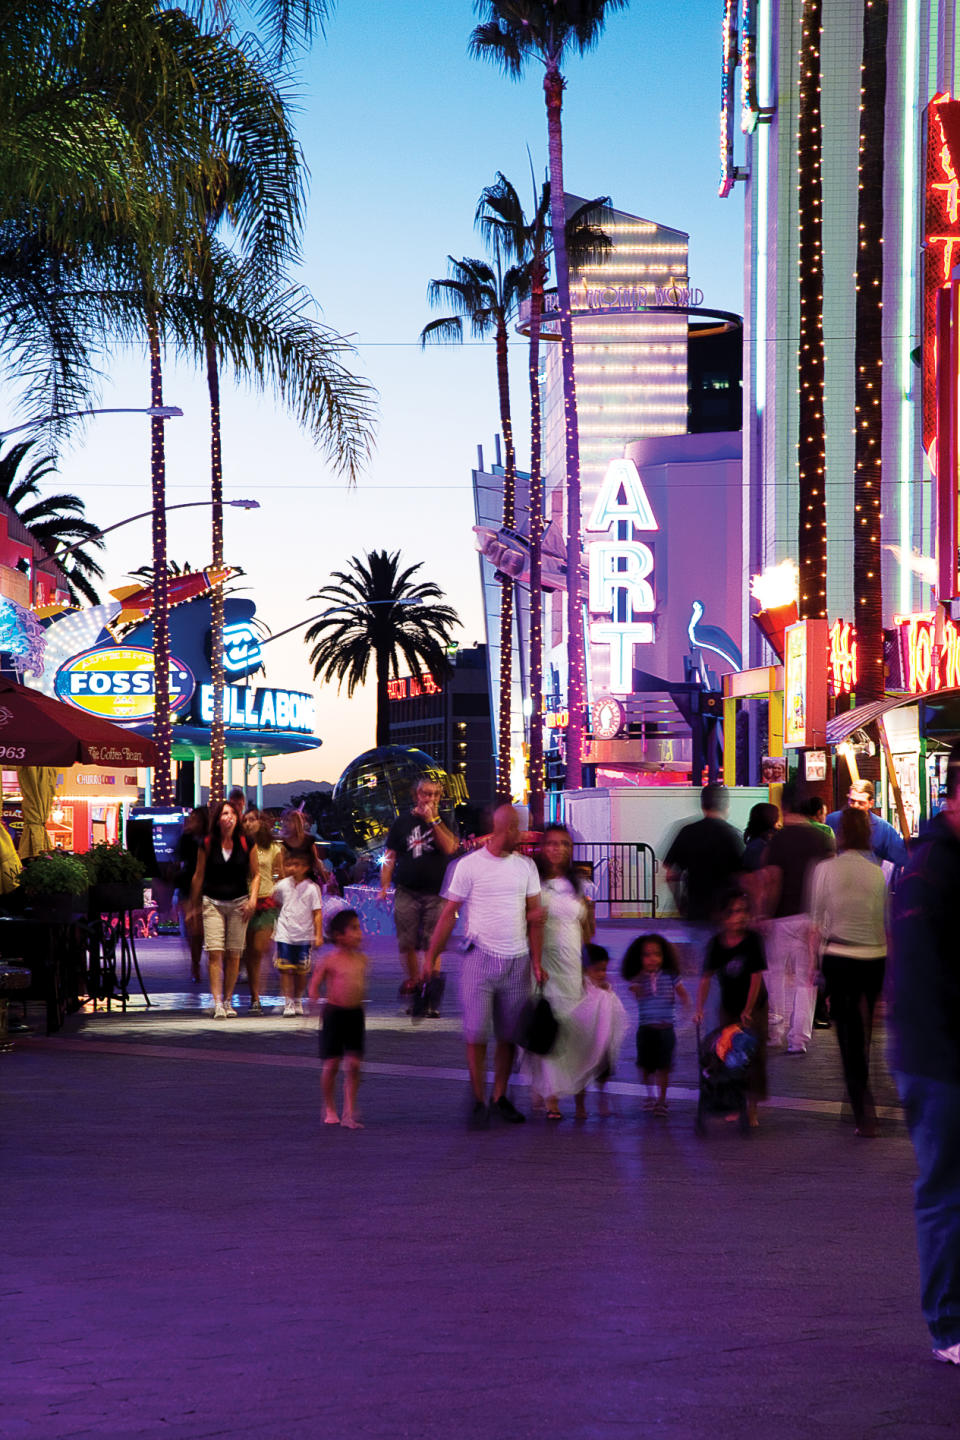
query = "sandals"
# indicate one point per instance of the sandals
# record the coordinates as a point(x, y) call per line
point(554, 1115)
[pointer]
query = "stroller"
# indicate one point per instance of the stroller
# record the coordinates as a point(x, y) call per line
point(724, 1058)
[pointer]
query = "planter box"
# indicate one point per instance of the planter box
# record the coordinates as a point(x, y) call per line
point(114, 896)
point(57, 909)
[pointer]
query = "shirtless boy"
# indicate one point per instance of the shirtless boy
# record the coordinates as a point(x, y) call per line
point(343, 972)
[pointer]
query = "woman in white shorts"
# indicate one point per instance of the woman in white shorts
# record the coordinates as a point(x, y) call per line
point(227, 881)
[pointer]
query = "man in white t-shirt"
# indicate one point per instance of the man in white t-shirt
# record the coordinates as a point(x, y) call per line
point(504, 923)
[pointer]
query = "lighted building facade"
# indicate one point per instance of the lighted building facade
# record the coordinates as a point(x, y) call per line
point(760, 144)
point(630, 366)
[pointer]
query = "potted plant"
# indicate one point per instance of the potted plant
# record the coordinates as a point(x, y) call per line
point(55, 885)
point(116, 879)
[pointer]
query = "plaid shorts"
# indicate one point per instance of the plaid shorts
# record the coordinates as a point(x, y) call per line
point(493, 992)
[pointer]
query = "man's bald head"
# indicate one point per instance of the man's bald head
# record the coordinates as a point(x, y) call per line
point(506, 827)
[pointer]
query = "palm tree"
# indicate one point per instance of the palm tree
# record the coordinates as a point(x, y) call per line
point(56, 522)
point(376, 611)
point(513, 32)
point(530, 243)
point(488, 296)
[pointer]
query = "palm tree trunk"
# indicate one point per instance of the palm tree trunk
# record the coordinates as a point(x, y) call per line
point(217, 727)
point(383, 698)
point(162, 723)
point(811, 438)
point(506, 583)
point(867, 581)
point(536, 779)
point(553, 84)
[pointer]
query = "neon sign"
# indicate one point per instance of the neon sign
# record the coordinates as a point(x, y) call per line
point(620, 570)
point(842, 658)
point(749, 104)
point(241, 649)
point(116, 682)
point(941, 228)
point(924, 670)
point(408, 687)
point(728, 170)
point(263, 709)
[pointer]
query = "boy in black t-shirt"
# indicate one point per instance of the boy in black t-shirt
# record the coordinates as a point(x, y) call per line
point(419, 846)
point(735, 957)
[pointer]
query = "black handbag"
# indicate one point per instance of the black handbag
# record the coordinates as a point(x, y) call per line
point(538, 1027)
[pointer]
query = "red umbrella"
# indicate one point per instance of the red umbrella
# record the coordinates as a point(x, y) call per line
point(36, 730)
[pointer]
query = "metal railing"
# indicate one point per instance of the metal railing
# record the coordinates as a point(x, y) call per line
point(624, 876)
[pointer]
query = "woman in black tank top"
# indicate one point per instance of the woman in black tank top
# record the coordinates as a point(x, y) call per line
point(225, 883)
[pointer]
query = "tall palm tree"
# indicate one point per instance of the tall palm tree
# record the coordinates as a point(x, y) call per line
point(487, 295)
point(512, 33)
point(56, 522)
point(377, 612)
point(530, 242)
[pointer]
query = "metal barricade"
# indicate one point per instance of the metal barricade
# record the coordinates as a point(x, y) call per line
point(623, 874)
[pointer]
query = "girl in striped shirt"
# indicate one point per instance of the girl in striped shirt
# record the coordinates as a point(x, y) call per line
point(650, 965)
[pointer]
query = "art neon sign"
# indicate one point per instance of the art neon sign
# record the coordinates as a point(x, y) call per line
point(620, 570)
point(941, 237)
point(926, 670)
point(843, 667)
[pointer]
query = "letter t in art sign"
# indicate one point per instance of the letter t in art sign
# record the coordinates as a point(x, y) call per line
point(620, 570)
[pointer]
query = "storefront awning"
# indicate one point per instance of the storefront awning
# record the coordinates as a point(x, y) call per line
point(942, 708)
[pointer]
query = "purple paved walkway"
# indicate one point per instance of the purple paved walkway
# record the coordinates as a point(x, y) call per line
point(190, 1254)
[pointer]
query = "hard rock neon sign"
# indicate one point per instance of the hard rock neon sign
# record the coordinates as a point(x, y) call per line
point(620, 570)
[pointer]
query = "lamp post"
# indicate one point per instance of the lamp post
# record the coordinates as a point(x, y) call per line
point(148, 515)
point(156, 412)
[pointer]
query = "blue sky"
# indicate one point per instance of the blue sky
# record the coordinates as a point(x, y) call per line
point(401, 132)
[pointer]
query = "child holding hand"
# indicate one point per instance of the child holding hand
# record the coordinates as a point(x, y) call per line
point(299, 927)
point(650, 965)
point(342, 971)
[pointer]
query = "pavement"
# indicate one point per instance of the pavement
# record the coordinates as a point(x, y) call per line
point(190, 1253)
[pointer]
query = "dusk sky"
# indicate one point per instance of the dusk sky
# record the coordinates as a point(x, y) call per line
point(401, 132)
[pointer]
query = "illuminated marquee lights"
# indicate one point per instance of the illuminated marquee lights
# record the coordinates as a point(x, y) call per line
point(620, 570)
point(728, 170)
point(842, 660)
point(917, 652)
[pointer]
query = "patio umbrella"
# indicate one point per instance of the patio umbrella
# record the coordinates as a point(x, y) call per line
point(38, 730)
point(37, 786)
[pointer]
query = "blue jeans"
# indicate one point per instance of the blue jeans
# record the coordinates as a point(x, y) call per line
point(933, 1116)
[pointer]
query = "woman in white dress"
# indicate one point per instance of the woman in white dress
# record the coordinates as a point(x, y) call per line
point(568, 922)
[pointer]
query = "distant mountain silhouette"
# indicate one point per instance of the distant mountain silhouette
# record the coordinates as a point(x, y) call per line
point(279, 795)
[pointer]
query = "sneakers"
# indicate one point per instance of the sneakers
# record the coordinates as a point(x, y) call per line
point(288, 1008)
point(479, 1118)
point(796, 1049)
point(220, 1011)
point(506, 1110)
point(229, 1012)
point(950, 1355)
point(298, 1007)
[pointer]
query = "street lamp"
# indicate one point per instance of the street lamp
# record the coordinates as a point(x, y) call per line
point(336, 609)
point(156, 412)
point(148, 515)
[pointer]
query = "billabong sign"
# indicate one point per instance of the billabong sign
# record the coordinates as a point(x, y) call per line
point(262, 709)
point(116, 682)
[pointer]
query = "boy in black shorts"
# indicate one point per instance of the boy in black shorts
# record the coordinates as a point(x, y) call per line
point(344, 970)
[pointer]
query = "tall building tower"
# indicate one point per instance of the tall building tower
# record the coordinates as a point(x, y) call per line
point(764, 102)
point(630, 364)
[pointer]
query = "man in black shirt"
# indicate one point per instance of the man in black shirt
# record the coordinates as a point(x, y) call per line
point(926, 1022)
point(704, 858)
point(419, 846)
